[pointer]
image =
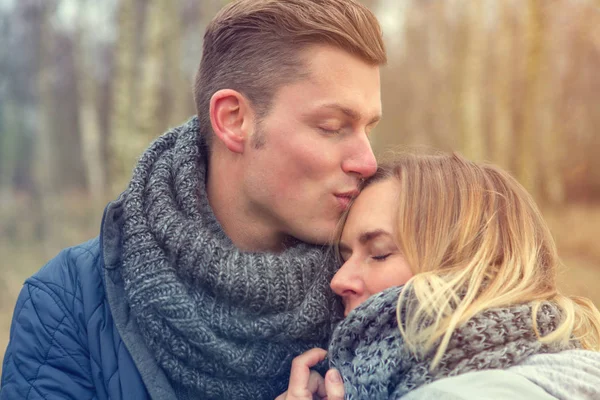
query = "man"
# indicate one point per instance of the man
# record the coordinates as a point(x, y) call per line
point(210, 273)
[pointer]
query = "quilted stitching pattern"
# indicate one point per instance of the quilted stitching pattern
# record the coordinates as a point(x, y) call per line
point(63, 343)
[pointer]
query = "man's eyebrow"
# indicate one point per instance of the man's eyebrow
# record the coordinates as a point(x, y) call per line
point(351, 113)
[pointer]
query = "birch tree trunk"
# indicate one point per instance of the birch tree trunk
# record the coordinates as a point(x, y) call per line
point(122, 123)
point(89, 122)
point(179, 88)
point(472, 110)
point(551, 139)
point(527, 164)
point(44, 169)
point(502, 123)
point(149, 117)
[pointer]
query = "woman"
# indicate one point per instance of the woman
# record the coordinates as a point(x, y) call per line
point(460, 255)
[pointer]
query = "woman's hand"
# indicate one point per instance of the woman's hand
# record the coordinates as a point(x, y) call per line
point(308, 385)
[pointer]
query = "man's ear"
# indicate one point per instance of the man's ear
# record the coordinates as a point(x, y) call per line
point(231, 119)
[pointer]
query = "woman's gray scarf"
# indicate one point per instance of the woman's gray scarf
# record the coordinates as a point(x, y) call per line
point(370, 354)
point(222, 323)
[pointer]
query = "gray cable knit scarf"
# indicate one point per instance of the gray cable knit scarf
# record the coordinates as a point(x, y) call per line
point(368, 350)
point(222, 323)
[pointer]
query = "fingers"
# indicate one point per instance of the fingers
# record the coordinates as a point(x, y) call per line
point(334, 385)
point(305, 384)
point(316, 385)
point(301, 374)
point(330, 388)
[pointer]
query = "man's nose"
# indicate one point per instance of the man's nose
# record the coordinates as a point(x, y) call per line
point(361, 160)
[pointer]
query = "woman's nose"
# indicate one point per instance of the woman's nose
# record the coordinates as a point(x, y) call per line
point(347, 281)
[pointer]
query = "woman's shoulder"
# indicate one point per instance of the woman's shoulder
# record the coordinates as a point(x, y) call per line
point(489, 384)
point(572, 374)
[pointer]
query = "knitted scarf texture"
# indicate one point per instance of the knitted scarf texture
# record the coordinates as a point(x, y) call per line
point(221, 323)
point(370, 354)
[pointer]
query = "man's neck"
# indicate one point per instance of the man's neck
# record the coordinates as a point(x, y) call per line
point(244, 227)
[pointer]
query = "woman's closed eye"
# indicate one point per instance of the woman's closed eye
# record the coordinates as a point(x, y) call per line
point(381, 257)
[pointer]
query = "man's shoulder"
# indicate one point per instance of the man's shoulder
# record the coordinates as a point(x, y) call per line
point(73, 268)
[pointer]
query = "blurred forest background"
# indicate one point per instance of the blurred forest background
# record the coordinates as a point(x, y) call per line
point(85, 85)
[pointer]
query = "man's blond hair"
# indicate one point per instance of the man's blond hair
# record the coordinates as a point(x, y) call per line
point(253, 46)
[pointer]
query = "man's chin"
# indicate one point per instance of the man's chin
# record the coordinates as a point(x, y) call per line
point(322, 236)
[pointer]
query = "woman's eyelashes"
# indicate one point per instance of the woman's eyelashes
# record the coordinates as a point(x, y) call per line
point(375, 251)
point(381, 250)
point(381, 257)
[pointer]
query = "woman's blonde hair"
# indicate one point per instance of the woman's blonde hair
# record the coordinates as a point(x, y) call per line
point(474, 239)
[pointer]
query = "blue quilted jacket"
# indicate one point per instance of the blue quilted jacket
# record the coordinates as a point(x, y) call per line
point(71, 335)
